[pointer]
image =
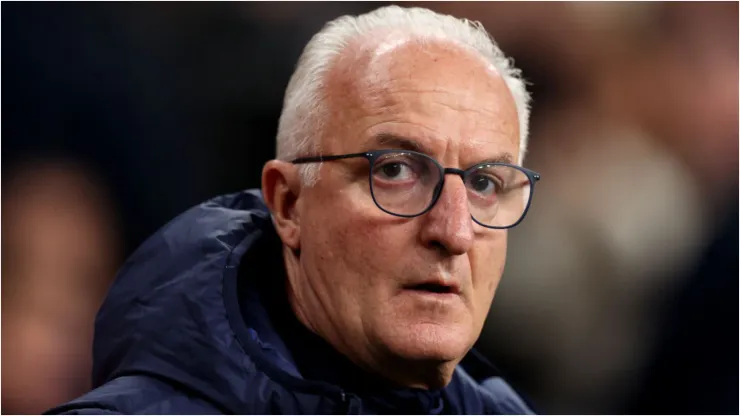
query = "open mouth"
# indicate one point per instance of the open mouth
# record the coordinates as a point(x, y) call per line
point(432, 288)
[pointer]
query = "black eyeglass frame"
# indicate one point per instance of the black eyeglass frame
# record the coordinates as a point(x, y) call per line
point(373, 155)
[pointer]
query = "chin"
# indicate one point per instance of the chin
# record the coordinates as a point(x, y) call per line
point(425, 341)
point(419, 327)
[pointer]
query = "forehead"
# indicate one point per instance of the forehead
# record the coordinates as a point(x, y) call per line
point(435, 92)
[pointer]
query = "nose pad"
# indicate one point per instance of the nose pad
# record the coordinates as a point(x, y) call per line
point(440, 186)
point(437, 192)
point(449, 224)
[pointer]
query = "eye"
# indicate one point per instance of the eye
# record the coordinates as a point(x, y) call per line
point(393, 170)
point(484, 184)
point(396, 170)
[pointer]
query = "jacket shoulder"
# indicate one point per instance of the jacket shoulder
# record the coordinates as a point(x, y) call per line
point(492, 395)
point(137, 395)
point(507, 400)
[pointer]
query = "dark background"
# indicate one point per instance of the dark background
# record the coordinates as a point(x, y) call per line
point(620, 293)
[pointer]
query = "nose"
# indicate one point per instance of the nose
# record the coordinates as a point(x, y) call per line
point(448, 225)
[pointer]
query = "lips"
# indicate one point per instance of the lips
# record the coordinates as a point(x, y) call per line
point(435, 286)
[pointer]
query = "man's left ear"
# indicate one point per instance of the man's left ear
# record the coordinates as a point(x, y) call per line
point(281, 187)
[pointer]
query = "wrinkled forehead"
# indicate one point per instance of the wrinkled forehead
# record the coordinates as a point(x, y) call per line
point(431, 88)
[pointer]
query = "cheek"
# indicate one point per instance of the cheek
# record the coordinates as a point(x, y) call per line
point(352, 244)
point(375, 250)
point(487, 263)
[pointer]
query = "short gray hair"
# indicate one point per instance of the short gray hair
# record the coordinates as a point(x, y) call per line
point(304, 113)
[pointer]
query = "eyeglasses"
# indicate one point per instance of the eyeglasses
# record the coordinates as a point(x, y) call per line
point(407, 184)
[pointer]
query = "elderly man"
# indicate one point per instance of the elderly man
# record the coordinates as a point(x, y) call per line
point(359, 279)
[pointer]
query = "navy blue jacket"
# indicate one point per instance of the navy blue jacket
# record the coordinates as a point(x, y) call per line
point(179, 333)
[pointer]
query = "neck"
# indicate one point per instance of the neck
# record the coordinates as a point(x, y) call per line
point(394, 369)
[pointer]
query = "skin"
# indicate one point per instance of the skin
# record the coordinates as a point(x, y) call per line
point(59, 250)
point(349, 264)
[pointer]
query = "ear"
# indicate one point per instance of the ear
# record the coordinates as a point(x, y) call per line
point(281, 187)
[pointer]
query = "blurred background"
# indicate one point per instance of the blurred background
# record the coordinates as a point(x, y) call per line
point(621, 289)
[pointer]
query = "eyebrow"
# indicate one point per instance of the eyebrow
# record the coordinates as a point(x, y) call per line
point(393, 141)
point(399, 142)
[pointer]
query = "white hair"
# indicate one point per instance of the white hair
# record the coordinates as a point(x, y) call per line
point(304, 111)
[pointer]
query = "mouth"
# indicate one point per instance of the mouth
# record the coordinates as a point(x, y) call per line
point(435, 288)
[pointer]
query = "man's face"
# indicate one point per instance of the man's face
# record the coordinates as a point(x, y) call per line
point(364, 266)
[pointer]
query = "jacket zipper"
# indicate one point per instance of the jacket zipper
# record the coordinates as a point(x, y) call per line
point(351, 405)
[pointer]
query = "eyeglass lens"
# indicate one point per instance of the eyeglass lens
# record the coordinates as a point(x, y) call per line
point(404, 184)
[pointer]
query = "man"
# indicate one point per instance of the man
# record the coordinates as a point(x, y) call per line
point(360, 277)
